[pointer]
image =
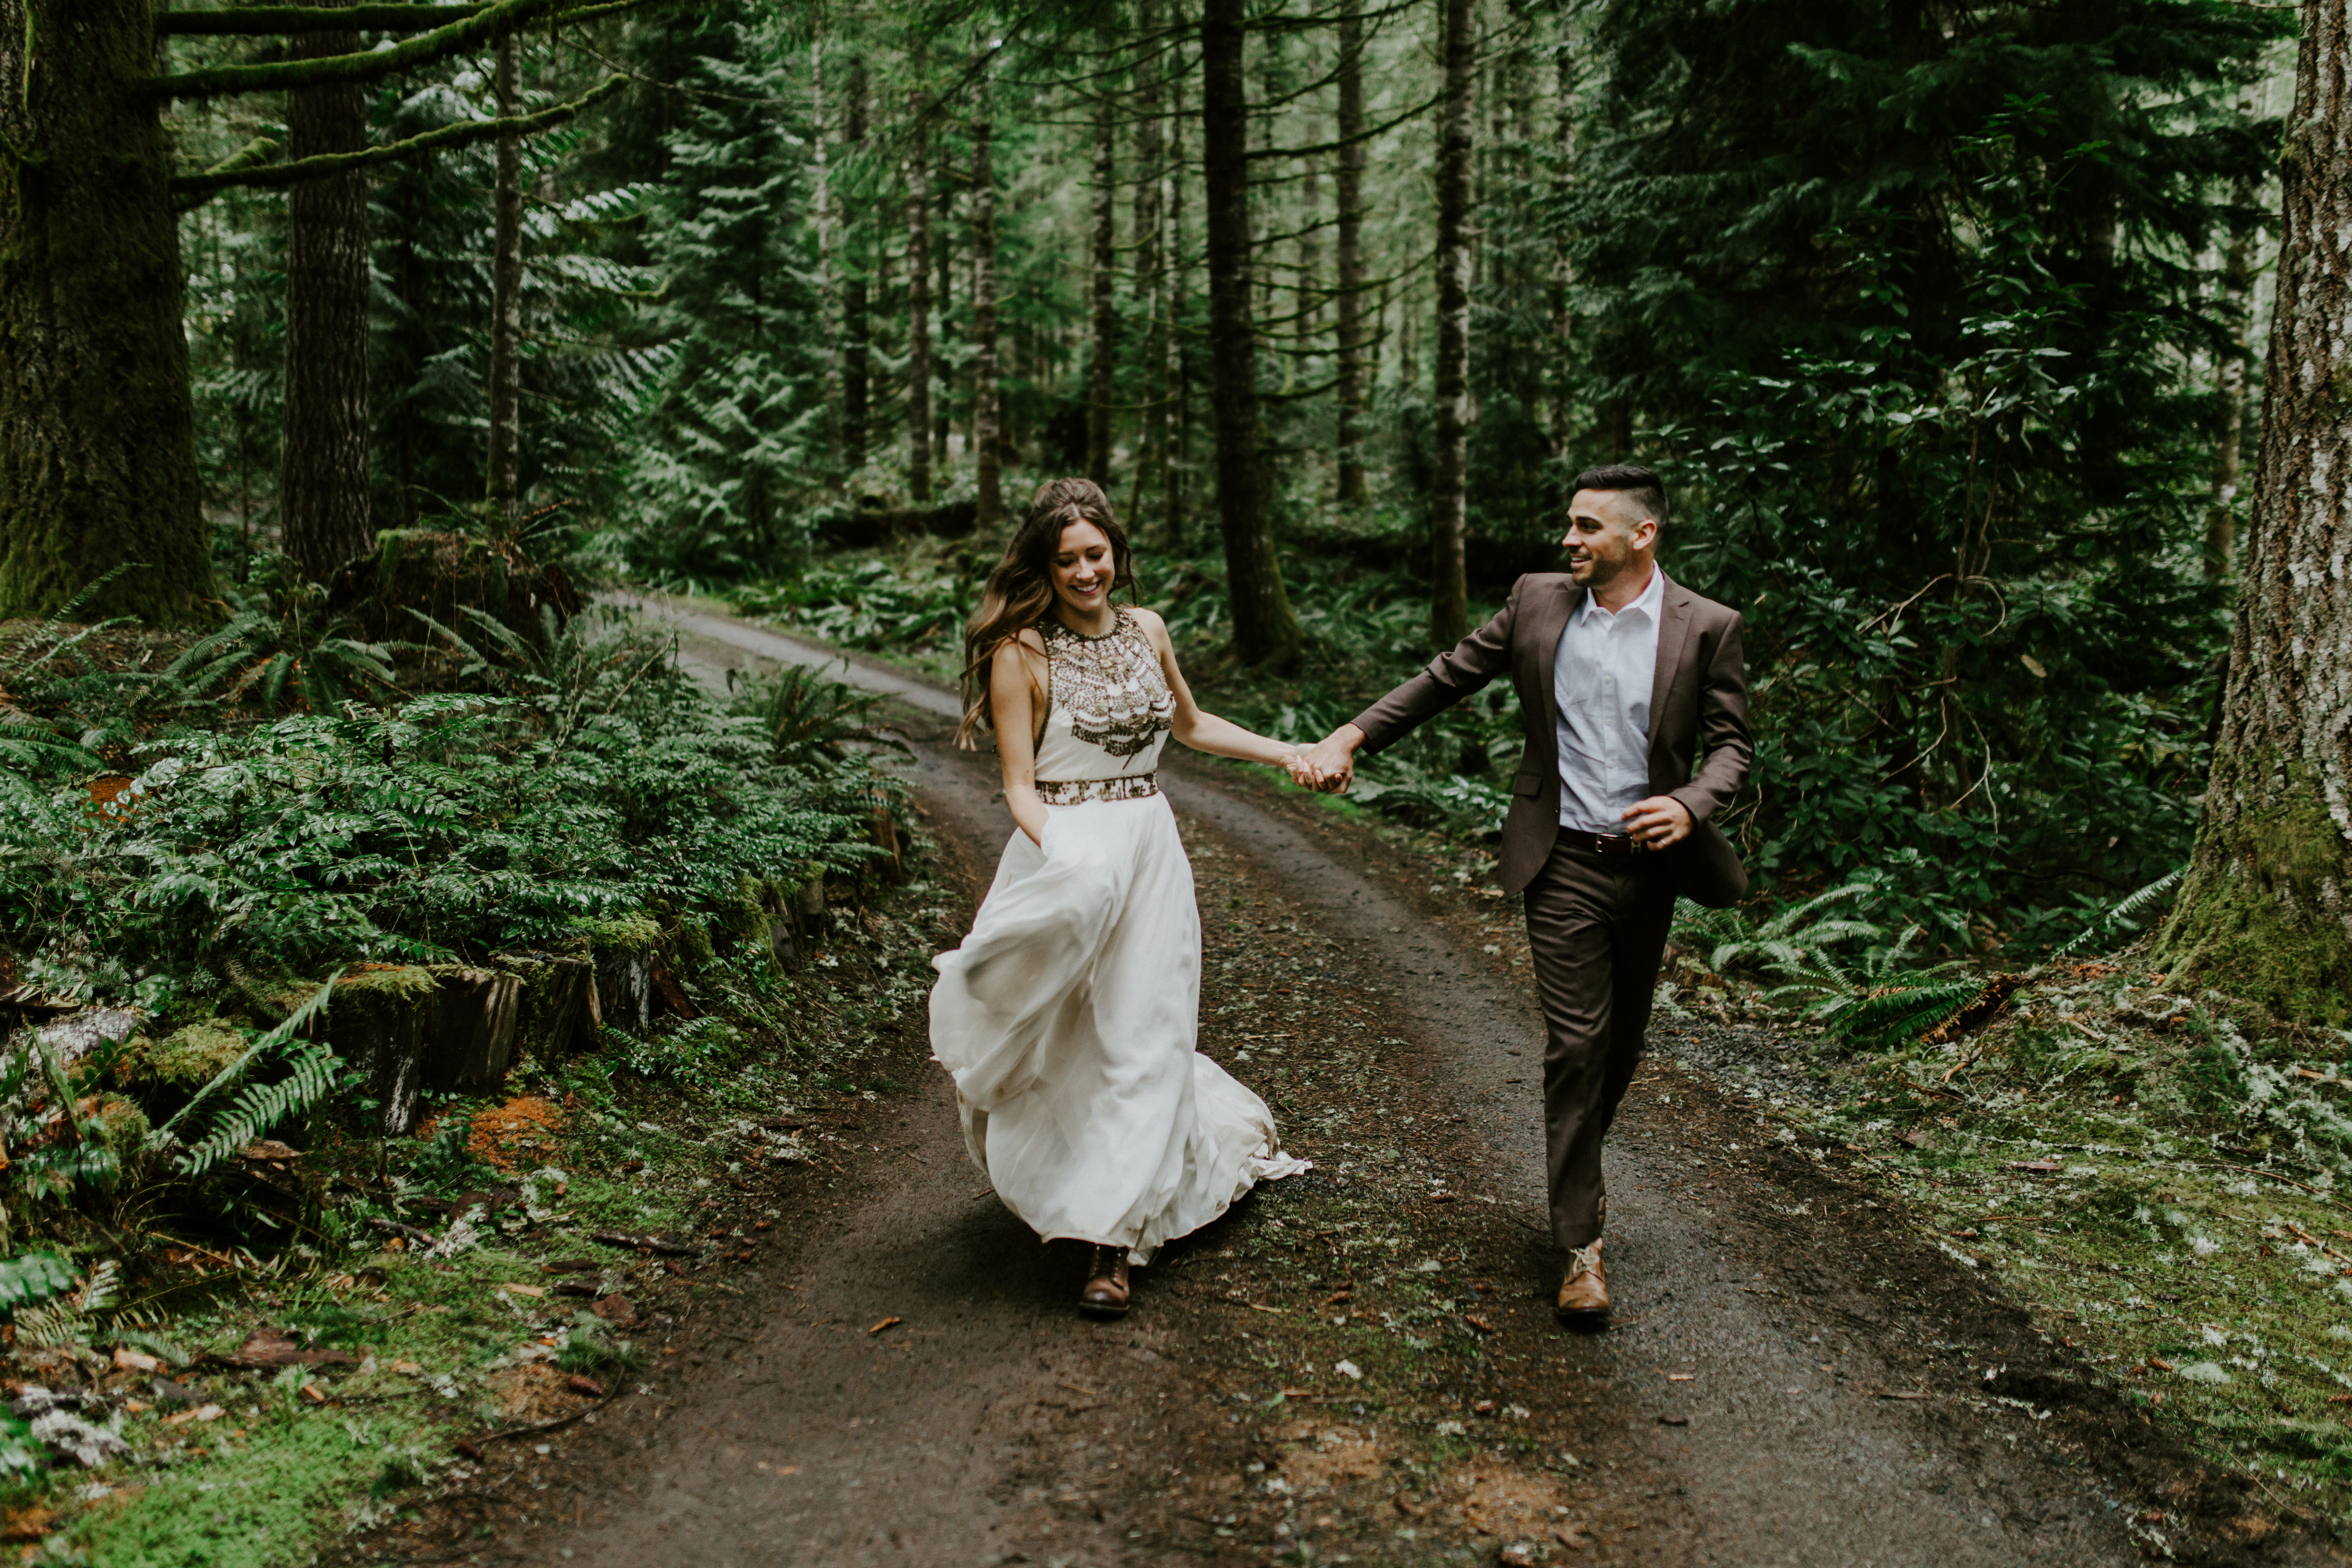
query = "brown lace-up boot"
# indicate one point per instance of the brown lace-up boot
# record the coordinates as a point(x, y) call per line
point(1584, 1294)
point(1106, 1292)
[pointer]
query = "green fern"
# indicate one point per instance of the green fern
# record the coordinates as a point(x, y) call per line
point(2123, 909)
point(315, 1070)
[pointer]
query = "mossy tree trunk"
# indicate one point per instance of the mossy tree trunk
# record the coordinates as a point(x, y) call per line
point(2266, 911)
point(97, 465)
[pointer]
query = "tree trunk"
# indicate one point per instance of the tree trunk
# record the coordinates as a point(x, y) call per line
point(1105, 260)
point(918, 318)
point(1449, 618)
point(2230, 385)
point(1264, 629)
point(322, 487)
point(944, 413)
point(1353, 489)
point(1176, 406)
point(822, 220)
point(988, 463)
point(2268, 901)
point(856, 371)
point(1562, 324)
point(97, 462)
point(505, 293)
point(1151, 450)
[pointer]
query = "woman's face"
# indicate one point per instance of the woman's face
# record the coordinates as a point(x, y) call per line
point(1083, 569)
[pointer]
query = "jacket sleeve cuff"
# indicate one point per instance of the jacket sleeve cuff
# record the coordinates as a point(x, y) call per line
point(1697, 801)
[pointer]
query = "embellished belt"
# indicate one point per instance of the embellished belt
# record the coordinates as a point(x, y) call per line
point(1071, 792)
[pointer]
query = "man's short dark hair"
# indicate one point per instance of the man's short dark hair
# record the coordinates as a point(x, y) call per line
point(1648, 491)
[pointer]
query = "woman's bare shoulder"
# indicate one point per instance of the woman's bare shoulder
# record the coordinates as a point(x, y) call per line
point(1026, 640)
point(1153, 627)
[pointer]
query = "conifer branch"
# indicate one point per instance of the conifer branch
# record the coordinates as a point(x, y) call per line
point(247, 21)
point(232, 174)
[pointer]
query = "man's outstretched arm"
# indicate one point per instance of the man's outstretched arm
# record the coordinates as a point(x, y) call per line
point(1449, 678)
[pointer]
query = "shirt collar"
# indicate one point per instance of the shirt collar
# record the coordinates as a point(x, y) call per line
point(1650, 601)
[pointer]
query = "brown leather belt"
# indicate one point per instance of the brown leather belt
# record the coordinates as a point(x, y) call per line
point(1603, 842)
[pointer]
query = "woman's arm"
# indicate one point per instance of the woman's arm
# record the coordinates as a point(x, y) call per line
point(1206, 732)
point(1013, 707)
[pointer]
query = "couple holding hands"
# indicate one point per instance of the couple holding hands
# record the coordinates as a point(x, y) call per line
point(1068, 1016)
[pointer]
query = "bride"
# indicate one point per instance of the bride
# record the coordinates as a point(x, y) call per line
point(1067, 1016)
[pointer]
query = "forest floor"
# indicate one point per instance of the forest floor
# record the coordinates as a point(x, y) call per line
point(1357, 1364)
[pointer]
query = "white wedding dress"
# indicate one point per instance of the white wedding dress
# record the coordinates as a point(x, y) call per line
point(1069, 1016)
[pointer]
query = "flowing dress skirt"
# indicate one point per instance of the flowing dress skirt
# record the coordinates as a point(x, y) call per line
point(1067, 1019)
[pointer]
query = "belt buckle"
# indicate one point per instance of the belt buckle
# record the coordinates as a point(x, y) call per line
point(1615, 844)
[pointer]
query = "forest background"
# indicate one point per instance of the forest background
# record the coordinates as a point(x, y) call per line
point(1936, 317)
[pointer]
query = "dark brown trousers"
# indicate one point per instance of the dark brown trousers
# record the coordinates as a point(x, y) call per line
point(1598, 927)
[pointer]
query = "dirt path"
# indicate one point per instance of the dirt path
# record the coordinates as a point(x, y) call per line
point(1359, 1365)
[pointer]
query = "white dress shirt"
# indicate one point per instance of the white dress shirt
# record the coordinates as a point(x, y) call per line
point(1600, 680)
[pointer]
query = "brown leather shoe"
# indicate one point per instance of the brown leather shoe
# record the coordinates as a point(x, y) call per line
point(1106, 1292)
point(1584, 1294)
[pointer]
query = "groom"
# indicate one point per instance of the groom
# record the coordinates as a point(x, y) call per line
point(1625, 678)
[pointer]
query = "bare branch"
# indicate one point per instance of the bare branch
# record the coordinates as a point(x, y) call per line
point(223, 176)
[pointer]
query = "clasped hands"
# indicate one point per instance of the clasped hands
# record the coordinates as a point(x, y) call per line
point(1329, 766)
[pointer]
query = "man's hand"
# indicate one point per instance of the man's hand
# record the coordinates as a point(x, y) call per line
point(1657, 821)
point(1332, 759)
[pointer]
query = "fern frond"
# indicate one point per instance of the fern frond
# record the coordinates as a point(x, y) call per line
point(263, 1106)
point(310, 1009)
point(2123, 909)
point(1903, 1012)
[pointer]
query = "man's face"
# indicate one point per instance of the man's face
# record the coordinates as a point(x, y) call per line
point(1608, 535)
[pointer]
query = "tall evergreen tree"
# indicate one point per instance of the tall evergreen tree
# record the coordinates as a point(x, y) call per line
point(738, 432)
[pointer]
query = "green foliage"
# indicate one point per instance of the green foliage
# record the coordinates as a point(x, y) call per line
point(30, 1279)
point(450, 825)
point(729, 447)
point(808, 719)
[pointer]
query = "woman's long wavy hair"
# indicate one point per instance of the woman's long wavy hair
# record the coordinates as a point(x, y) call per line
point(1020, 592)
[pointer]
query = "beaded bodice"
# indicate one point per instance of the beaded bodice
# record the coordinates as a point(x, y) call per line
point(1107, 706)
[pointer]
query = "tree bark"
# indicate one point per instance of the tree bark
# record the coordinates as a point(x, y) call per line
point(2267, 905)
point(1099, 369)
point(505, 293)
point(1449, 595)
point(822, 219)
point(1353, 491)
point(1151, 285)
point(1264, 629)
point(988, 462)
point(1176, 405)
point(919, 317)
point(322, 486)
point(943, 411)
point(856, 370)
point(1563, 325)
point(2229, 386)
point(98, 464)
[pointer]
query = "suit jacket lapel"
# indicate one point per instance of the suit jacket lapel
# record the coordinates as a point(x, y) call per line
point(1673, 631)
point(1550, 627)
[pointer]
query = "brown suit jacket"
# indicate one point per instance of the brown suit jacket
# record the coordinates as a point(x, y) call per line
point(1699, 694)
